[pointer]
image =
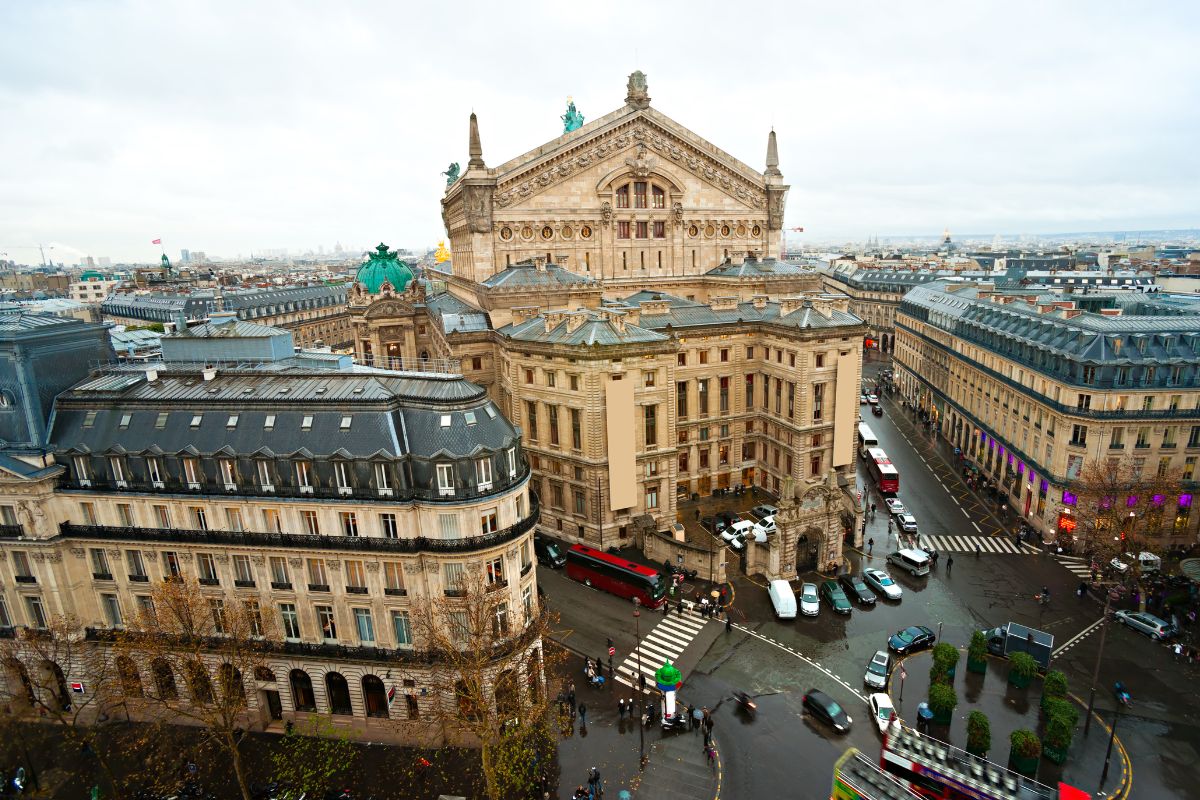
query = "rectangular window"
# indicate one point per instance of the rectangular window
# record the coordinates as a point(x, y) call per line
point(651, 497)
point(500, 624)
point(269, 423)
point(1194, 437)
point(154, 470)
point(579, 501)
point(116, 466)
point(279, 573)
point(660, 230)
point(311, 524)
point(135, 566)
point(349, 523)
point(383, 481)
point(681, 399)
point(639, 194)
point(552, 412)
point(206, 568)
point(341, 477)
point(304, 475)
point(723, 394)
point(814, 465)
point(531, 420)
point(317, 577)
point(623, 196)
point(243, 571)
point(527, 603)
point(265, 479)
point(703, 458)
point(494, 570)
point(702, 395)
point(651, 425)
point(483, 471)
point(622, 230)
point(356, 574)
point(643, 230)
point(89, 513)
point(327, 622)
point(216, 607)
point(452, 573)
point(1083, 402)
point(576, 440)
point(161, 421)
point(445, 476)
point(488, 521)
point(449, 526)
point(402, 629)
point(100, 570)
point(232, 422)
point(703, 356)
point(393, 578)
point(306, 422)
point(291, 621)
point(196, 420)
point(791, 400)
point(199, 518)
point(21, 564)
point(818, 401)
point(112, 610)
point(171, 564)
point(749, 392)
point(6, 620)
point(254, 617)
point(273, 520)
point(387, 525)
point(37, 613)
point(1079, 435)
point(659, 197)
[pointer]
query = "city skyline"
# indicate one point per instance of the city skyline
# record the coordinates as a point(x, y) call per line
point(888, 123)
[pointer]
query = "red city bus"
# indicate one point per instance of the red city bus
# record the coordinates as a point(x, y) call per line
point(883, 471)
point(616, 575)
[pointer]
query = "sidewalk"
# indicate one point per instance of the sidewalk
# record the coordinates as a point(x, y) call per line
point(676, 766)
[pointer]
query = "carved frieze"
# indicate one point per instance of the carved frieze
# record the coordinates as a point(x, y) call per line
point(477, 201)
point(222, 558)
point(296, 562)
point(372, 566)
point(77, 552)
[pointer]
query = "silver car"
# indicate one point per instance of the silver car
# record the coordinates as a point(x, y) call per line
point(1154, 627)
point(810, 605)
point(907, 523)
point(877, 670)
point(882, 583)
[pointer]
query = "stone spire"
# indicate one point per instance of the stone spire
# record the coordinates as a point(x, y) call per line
point(475, 149)
point(772, 155)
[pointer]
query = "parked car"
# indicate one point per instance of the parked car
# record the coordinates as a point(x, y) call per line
point(857, 588)
point(907, 523)
point(823, 707)
point(911, 639)
point(881, 582)
point(727, 517)
point(894, 506)
point(882, 710)
point(877, 670)
point(1154, 627)
point(877, 410)
point(862, 399)
point(712, 524)
point(836, 598)
point(737, 533)
point(764, 510)
point(548, 552)
point(873, 399)
point(810, 606)
point(764, 528)
point(783, 600)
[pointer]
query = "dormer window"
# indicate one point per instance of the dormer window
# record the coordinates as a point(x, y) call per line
point(445, 479)
point(228, 469)
point(383, 483)
point(191, 472)
point(116, 465)
point(483, 473)
point(264, 476)
point(511, 456)
point(306, 423)
point(304, 477)
point(341, 475)
point(154, 469)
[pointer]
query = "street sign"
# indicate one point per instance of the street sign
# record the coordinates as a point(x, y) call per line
point(612, 651)
point(76, 687)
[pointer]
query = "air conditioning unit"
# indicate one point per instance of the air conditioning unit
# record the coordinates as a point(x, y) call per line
point(385, 492)
point(306, 490)
point(345, 490)
point(157, 484)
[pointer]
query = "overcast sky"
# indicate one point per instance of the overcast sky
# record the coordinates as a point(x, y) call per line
point(230, 127)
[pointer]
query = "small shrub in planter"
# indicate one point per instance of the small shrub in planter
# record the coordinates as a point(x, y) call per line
point(1024, 751)
point(1054, 686)
point(979, 733)
point(1062, 717)
point(942, 702)
point(1021, 669)
point(977, 653)
point(945, 659)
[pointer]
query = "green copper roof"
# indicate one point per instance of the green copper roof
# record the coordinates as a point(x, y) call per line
point(93, 275)
point(382, 265)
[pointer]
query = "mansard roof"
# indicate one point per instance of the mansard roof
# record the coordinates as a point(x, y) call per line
point(802, 314)
point(760, 268)
point(583, 327)
point(526, 274)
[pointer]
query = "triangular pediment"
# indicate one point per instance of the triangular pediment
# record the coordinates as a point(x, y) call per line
point(627, 134)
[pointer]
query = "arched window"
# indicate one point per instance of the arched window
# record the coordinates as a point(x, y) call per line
point(338, 693)
point(164, 679)
point(623, 196)
point(131, 681)
point(264, 675)
point(302, 691)
point(232, 689)
point(199, 683)
point(659, 197)
point(374, 696)
point(508, 700)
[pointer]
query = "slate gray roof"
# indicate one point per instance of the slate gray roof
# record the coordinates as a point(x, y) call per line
point(22, 321)
point(698, 314)
point(228, 330)
point(758, 268)
point(525, 274)
point(595, 329)
point(637, 297)
point(456, 315)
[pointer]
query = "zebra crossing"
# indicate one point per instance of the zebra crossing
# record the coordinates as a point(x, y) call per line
point(1080, 567)
point(667, 640)
point(944, 543)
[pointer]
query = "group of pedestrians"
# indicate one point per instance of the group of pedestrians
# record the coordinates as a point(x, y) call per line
point(595, 787)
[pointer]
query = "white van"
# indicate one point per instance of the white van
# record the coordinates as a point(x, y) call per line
point(915, 562)
point(783, 599)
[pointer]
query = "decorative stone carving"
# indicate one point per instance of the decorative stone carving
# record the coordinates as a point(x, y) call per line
point(677, 215)
point(477, 203)
point(605, 213)
point(4, 555)
point(372, 566)
point(412, 567)
point(113, 553)
point(78, 552)
point(637, 91)
point(54, 558)
point(431, 567)
point(334, 564)
point(39, 556)
point(187, 558)
point(222, 558)
point(775, 209)
point(641, 165)
point(258, 560)
point(295, 562)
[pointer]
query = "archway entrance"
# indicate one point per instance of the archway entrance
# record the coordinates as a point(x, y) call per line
point(808, 545)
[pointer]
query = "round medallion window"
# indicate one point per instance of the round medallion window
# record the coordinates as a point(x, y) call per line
point(547, 232)
point(741, 230)
point(693, 231)
point(709, 231)
point(724, 230)
point(527, 232)
point(567, 232)
point(506, 233)
point(585, 232)
point(756, 231)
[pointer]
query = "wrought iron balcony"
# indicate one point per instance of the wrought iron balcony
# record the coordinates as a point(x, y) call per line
point(14, 531)
point(300, 541)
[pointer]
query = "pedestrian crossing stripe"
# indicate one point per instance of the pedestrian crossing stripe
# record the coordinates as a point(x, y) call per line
point(946, 543)
point(1081, 569)
point(666, 641)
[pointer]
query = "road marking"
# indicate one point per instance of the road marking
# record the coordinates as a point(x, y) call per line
point(976, 524)
point(802, 657)
point(1074, 640)
point(662, 642)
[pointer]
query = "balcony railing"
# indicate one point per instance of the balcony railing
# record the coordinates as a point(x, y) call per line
point(14, 531)
point(372, 544)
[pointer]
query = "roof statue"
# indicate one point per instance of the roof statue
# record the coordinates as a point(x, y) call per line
point(451, 173)
point(441, 255)
point(572, 120)
point(637, 95)
point(166, 262)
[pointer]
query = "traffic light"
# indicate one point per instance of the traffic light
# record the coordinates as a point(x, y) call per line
point(610, 644)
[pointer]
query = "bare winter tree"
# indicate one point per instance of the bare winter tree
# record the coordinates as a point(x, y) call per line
point(38, 663)
point(490, 679)
point(198, 651)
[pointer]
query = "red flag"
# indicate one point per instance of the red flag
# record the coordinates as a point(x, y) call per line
point(157, 241)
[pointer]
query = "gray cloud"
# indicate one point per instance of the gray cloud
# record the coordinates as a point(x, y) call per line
point(233, 126)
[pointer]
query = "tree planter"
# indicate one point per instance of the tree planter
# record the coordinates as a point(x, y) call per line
point(978, 667)
point(1027, 766)
point(977, 654)
point(979, 734)
point(1024, 752)
point(1055, 755)
point(1018, 680)
point(1021, 669)
point(942, 701)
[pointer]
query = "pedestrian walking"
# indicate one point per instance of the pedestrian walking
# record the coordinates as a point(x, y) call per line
point(642, 682)
point(679, 606)
point(710, 753)
point(870, 545)
point(707, 736)
point(949, 564)
point(621, 708)
point(594, 782)
point(583, 714)
point(728, 622)
point(667, 608)
point(872, 509)
point(691, 712)
point(599, 668)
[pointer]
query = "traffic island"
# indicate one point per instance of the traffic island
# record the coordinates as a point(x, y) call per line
point(1063, 753)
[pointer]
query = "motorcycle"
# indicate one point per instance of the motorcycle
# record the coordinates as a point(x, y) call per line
point(1121, 693)
point(678, 722)
point(745, 703)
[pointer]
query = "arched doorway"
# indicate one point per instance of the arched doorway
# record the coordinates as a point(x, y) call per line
point(303, 698)
point(199, 684)
point(808, 547)
point(374, 696)
point(131, 680)
point(18, 674)
point(338, 693)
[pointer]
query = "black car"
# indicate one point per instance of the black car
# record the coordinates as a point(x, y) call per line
point(549, 553)
point(911, 639)
point(856, 587)
point(877, 411)
point(726, 518)
point(824, 707)
point(713, 525)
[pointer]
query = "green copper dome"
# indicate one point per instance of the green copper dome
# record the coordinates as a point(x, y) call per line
point(382, 265)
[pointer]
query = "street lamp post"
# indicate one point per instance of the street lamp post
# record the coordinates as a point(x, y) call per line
point(1087, 720)
point(1108, 755)
point(637, 628)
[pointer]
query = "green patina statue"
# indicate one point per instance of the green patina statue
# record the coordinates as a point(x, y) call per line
point(451, 173)
point(572, 120)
